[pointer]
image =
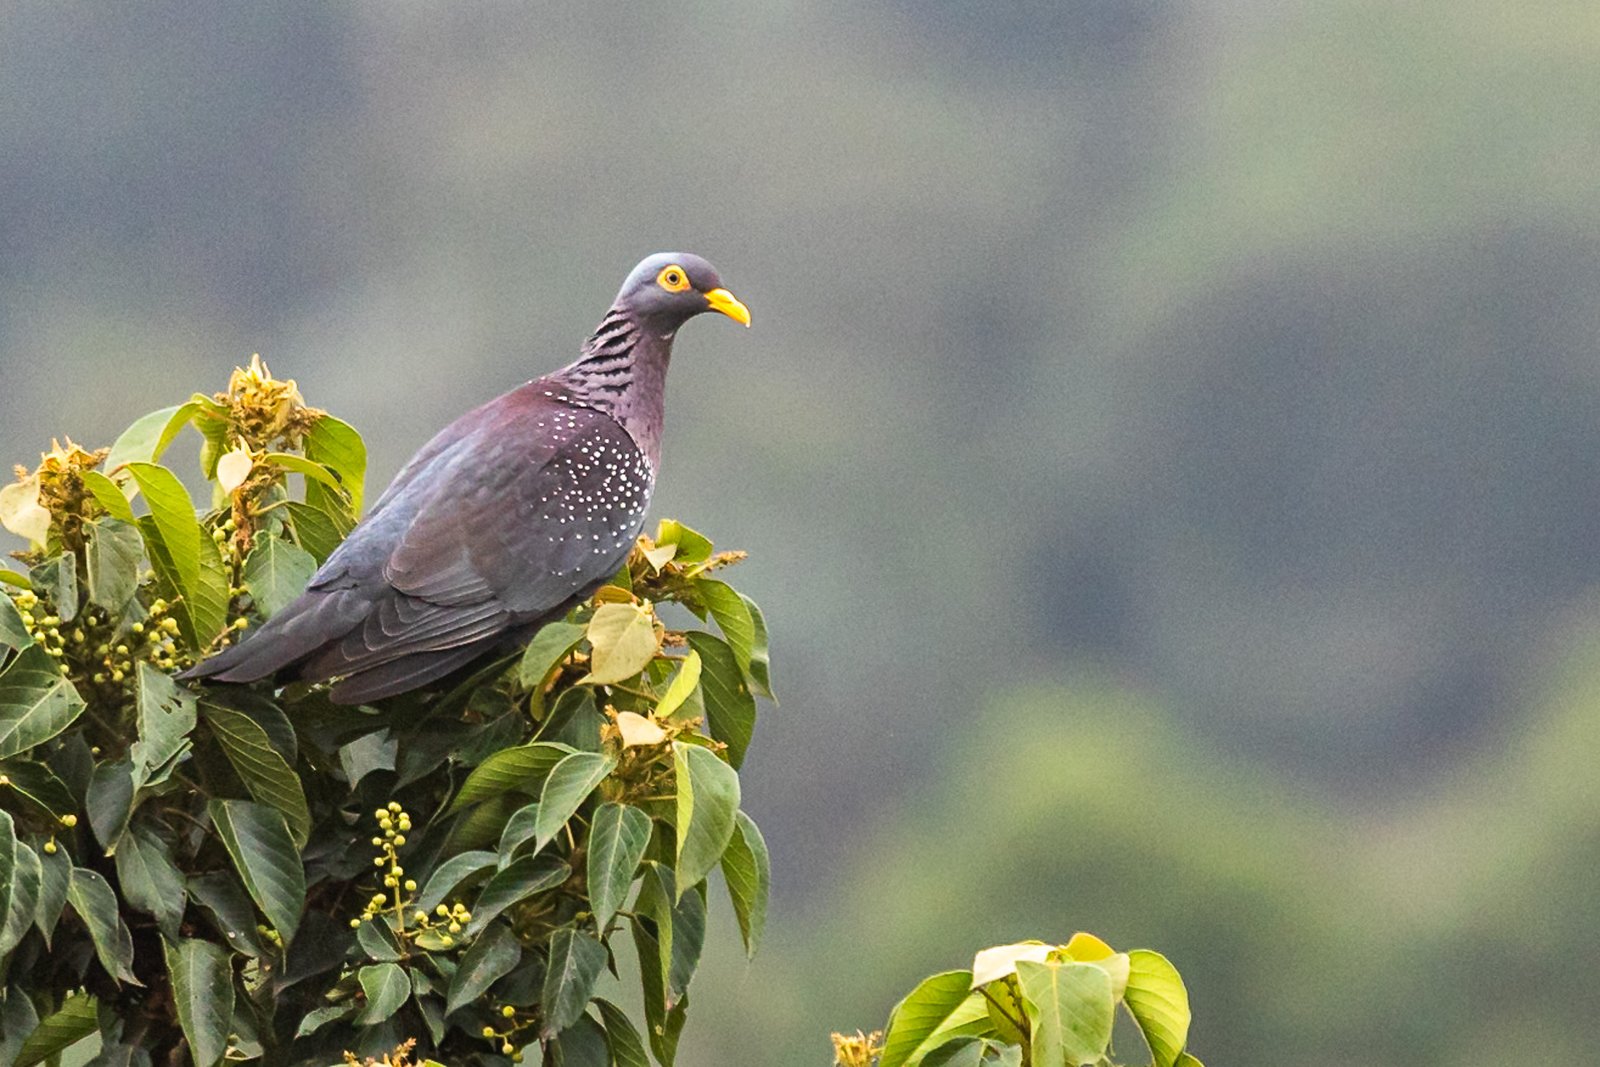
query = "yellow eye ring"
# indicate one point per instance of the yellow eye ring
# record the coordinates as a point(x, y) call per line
point(674, 279)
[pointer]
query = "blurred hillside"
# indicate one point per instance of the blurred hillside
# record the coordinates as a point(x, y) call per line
point(1246, 352)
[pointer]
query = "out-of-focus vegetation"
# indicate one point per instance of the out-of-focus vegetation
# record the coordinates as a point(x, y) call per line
point(1244, 352)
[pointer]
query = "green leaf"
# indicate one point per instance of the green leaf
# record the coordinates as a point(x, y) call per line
point(314, 472)
point(219, 893)
point(523, 769)
point(521, 879)
point(386, 988)
point(317, 1018)
point(583, 1044)
point(377, 939)
point(624, 640)
point(730, 707)
point(264, 772)
point(451, 873)
point(109, 495)
point(166, 717)
point(1159, 1003)
point(268, 861)
point(921, 1014)
point(492, 956)
point(747, 869)
point(13, 631)
point(316, 530)
point(8, 866)
point(732, 615)
point(110, 801)
point(1187, 1060)
point(681, 688)
point(150, 881)
point(182, 554)
point(376, 751)
point(78, 1018)
point(663, 1022)
point(336, 444)
point(693, 546)
point(688, 939)
point(36, 702)
point(627, 1047)
point(24, 898)
point(55, 875)
point(112, 552)
point(91, 897)
point(618, 836)
point(149, 436)
point(569, 785)
point(38, 787)
point(276, 572)
point(1070, 1010)
point(202, 989)
point(519, 830)
point(708, 801)
point(56, 579)
point(574, 966)
point(18, 1019)
point(549, 647)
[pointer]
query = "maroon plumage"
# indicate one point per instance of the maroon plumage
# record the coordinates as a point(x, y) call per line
point(507, 518)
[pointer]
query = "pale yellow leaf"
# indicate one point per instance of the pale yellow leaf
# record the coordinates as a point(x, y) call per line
point(639, 731)
point(1001, 960)
point(624, 639)
point(21, 512)
point(660, 556)
point(233, 469)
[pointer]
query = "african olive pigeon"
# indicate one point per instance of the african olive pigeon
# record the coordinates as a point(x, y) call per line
point(507, 518)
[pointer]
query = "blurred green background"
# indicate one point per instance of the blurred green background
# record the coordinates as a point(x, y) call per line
point(1169, 441)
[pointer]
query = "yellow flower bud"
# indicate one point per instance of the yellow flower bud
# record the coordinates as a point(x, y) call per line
point(69, 820)
point(507, 1011)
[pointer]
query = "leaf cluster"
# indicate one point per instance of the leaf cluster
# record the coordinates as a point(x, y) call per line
point(249, 874)
point(1032, 1004)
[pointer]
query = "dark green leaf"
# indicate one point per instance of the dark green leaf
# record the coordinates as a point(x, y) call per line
point(627, 1047)
point(923, 1011)
point(264, 853)
point(13, 631)
point(708, 802)
point(377, 939)
point(370, 752)
point(1070, 1010)
point(523, 769)
point(451, 873)
point(56, 579)
point(618, 836)
point(8, 874)
point(521, 879)
point(166, 717)
point(583, 1044)
point(662, 1024)
point(519, 830)
point(337, 445)
point(964, 1052)
point(276, 572)
point(91, 897)
point(1159, 1003)
point(36, 702)
point(18, 1019)
point(549, 646)
point(37, 786)
point(730, 708)
point(269, 778)
point(76, 1020)
point(315, 530)
point(202, 989)
point(113, 552)
point(110, 801)
point(55, 874)
point(386, 987)
point(317, 1018)
point(492, 955)
point(732, 615)
point(219, 893)
point(576, 960)
point(150, 881)
point(747, 869)
point(688, 939)
point(569, 785)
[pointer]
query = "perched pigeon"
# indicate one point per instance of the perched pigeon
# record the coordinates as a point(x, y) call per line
point(507, 518)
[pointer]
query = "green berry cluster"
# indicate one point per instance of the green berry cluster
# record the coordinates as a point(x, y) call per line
point(515, 1021)
point(431, 931)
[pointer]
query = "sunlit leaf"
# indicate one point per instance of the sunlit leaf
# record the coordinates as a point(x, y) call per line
point(747, 870)
point(1001, 960)
point(1070, 1010)
point(708, 802)
point(524, 769)
point(732, 615)
point(624, 639)
point(276, 573)
point(549, 647)
point(682, 686)
point(109, 495)
point(233, 468)
point(336, 444)
point(1159, 1003)
point(21, 511)
point(637, 731)
point(693, 546)
point(924, 1010)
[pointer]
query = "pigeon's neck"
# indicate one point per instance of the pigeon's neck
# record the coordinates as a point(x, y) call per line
point(623, 371)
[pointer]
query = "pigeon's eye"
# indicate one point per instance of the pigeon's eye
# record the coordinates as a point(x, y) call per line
point(673, 279)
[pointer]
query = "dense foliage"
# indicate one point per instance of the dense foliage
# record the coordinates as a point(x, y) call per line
point(229, 872)
point(1031, 1004)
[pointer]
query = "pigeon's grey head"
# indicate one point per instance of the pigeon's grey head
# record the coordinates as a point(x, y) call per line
point(669, 288)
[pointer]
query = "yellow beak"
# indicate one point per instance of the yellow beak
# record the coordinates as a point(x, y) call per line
point(725, 302)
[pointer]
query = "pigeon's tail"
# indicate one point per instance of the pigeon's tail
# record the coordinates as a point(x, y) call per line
point(296, 632)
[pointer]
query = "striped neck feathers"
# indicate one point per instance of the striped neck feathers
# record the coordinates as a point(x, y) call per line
point(622, 370)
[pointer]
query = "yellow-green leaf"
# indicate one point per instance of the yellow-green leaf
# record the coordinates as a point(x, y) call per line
point(1159, 1003)
point(624, 639)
